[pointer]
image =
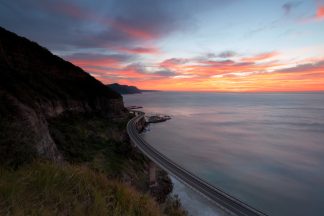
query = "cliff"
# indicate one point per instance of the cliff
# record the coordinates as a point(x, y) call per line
point(52, 115)
point(35, 86)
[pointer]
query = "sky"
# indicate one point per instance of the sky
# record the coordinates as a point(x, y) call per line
point(183, 45)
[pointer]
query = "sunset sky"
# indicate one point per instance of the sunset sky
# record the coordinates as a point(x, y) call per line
point(188, 45)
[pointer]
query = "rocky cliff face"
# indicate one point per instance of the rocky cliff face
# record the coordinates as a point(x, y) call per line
point(36, 85)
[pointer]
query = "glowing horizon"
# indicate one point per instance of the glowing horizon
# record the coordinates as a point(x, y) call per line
point(214, 46)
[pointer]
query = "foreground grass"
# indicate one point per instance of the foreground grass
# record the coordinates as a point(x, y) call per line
point(100, 165)
point(47, 189)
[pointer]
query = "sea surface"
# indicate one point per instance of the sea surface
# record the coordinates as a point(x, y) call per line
point(266, 149)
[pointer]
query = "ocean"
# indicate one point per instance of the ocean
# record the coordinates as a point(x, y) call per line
point(266, 149)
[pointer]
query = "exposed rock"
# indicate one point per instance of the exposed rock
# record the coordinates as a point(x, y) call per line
point(163, 187)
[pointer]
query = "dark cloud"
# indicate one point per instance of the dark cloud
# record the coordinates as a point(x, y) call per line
point(224, 54)
point(140, 50)
point(227, 54)
point(138, 67)
point(29, 19)
point(98, 56)
point(141, 69)
point(62, 25)
point(289, 6)
point(165, 72)
point(314, 67)
point(173, 62)
point(209, 55)
point(101, 68)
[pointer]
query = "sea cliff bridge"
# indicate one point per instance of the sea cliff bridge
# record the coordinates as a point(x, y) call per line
point(225, 201)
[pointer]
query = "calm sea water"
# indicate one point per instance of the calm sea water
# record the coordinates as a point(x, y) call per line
point(265, 149)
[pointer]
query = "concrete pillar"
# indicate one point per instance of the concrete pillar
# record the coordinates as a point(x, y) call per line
point(152, 174)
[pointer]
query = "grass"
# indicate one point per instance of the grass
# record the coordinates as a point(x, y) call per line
point(43, 188)
point(99, 175)
point(92, 181)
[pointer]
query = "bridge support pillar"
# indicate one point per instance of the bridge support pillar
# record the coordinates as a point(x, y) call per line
point(152, 175)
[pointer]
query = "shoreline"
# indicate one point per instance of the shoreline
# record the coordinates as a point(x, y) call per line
point(223, 200)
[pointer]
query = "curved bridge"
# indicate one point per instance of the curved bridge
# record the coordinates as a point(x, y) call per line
point(226, 202)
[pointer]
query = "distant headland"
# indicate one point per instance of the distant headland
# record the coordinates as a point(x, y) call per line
point(126, 89)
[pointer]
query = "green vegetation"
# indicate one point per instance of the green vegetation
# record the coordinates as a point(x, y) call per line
point(98, 141)
point(98, 162)
point(82, 137)
point(101, 143)
point(49, 189)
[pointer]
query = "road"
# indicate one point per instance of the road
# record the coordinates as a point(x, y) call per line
point(225, 201)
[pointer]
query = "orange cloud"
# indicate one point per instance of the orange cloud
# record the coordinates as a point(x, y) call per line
point(318, 16)
point(207, 75)
point(110, 70)
point(207, 68)
point(304, 77)
point(212, 68)
point(320, 12)
point(261, 57)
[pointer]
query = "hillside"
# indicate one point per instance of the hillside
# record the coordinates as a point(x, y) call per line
point(36, 85)
point(53, 114)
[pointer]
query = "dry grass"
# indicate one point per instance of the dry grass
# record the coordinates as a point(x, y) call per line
point(43, 188)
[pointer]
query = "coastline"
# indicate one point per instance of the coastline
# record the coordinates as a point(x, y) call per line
point(233, 133)
point(193, 202)
point(223, 200)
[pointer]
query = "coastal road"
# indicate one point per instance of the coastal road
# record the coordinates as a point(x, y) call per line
point(226, 202)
